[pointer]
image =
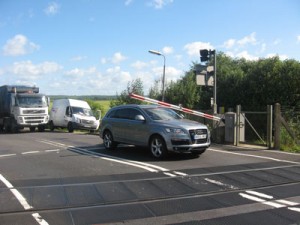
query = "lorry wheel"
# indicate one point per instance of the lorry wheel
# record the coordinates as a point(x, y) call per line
point(41, 128)
point(14, 126)
point(70, 127)
point(7, 127)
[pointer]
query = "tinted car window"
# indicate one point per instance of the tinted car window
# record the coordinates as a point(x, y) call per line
point(121, 114)
point(162, 114)
point(133, 113)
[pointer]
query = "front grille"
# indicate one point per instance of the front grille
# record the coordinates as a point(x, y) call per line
point(31, 119)
point(198, 132)
point(180, 142)
point(34, 111)
point(87, 121)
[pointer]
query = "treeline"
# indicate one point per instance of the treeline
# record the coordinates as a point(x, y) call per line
point(84, 97)
point(252, 84)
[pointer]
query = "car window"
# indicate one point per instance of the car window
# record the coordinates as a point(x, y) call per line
point(121, 114)
point(133, 113)
point(162, 114)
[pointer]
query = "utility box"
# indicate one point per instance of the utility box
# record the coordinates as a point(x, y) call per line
point(231, 129)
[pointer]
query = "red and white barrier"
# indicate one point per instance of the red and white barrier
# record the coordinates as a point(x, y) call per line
point(176, 107)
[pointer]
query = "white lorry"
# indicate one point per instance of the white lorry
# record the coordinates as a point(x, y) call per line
point(22, 106)
point(72, 114)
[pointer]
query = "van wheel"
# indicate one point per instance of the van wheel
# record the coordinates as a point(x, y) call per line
point(158, 147)
point(51, 125)
point(108, 141)
point(70, 127)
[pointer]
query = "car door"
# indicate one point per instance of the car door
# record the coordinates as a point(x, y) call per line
point(119, 123)
point(67, 116)
point(136, 130)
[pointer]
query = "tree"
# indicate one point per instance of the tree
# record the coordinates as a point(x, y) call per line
point(184, 91)
point(136, 87)
point(154, 91)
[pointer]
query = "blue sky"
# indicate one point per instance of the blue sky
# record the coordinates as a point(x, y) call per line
point(95, 47)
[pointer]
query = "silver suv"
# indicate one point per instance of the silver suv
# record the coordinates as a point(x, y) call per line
point(159, 128)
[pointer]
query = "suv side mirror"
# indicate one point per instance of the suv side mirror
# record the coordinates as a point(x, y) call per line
point(139, 118)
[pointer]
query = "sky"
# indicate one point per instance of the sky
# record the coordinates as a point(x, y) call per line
point(96, 47)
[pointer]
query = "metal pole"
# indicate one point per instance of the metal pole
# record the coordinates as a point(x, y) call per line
point(215, 81)
point(277, 126)
point(269, 125)
point(164, 71)
point(163, 80)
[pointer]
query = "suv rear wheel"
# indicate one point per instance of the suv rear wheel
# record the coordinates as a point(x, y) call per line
point(158, 147)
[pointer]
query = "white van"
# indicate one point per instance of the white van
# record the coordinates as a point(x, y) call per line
point(72, 114)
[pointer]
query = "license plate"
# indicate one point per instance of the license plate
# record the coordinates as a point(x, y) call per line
point(200, 136)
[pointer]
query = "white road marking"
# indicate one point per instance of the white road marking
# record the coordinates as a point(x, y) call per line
point(30, 152)
point(22, 200)
point(280, 203)
point(52, 150)
point(263, 201)
point(260, 194)
point(142, 165)
point(39, 219)
point(294, 209)
point(254, 156)
point(180, 173)
point(287, 202)
point(220, 183)
point(170, 174)
point(7, 155)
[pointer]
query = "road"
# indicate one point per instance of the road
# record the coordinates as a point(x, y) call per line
point(62, 178)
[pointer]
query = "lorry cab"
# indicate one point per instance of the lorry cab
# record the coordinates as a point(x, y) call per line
point(72, 114)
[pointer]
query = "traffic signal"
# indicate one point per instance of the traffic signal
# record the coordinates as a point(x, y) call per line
point(204, 55)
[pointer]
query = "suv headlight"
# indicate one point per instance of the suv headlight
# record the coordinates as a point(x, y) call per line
point(175, 130)
point(77, 120)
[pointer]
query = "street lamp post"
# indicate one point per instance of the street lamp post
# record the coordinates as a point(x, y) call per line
point(164, 72)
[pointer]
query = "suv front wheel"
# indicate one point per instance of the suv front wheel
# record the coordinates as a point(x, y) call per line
point(108, 140)
point(158, 147)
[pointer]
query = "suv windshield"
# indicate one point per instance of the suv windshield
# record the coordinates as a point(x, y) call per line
point(162, 114)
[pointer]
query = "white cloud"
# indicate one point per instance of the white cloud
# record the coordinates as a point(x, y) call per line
point(281, 57)
point(128, 2)
point(171, 73)
point(138, 65)
point(52, 8)
point(159, 4)
point(115, 59)
point(168, 50)
point(78, 58)
point(28, 70)
point(276, 42)
point(298, 39)
point(250, 39)
point(194, 48)
point(246, 55)
point(81, 72)
point(118, 57)
point(19, 45)
point(229, 43)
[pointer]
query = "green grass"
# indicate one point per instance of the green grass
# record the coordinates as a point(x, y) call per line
point(105, 105)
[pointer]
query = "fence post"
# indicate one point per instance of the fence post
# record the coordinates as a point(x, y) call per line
point(237, 124)
point(269, 125)
point(277, 126)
